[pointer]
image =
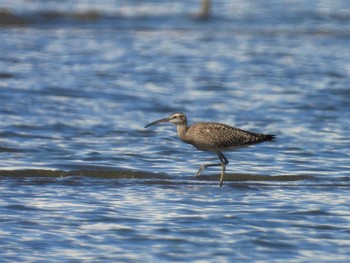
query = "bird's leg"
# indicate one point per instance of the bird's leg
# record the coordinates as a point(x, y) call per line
point(204, 166)
point(224, 162)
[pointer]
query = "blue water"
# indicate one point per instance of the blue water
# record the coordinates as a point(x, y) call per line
point(81, 180)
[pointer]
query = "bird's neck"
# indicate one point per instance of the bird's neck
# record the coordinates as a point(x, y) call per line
point(181, 130)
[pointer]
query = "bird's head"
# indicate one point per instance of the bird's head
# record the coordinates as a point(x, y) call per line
point(176, 118)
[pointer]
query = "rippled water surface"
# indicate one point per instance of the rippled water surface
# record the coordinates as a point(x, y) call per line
point(81, 180)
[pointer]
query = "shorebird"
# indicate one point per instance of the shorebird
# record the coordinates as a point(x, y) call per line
point(213, 137)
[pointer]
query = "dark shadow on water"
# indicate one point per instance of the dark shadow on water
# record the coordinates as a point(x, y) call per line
point(87, 173)
point(147, 175)
point(149, 178)
point(256, 177)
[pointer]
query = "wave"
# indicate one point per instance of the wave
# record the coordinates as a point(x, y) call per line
point(9, 18)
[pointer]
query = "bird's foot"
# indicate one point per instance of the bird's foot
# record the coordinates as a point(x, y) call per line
point(201, 168)
point(222, 175)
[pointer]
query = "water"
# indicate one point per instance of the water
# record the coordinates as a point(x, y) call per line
point(83, 181)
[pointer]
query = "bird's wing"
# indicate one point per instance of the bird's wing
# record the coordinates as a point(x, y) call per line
point(221, 136)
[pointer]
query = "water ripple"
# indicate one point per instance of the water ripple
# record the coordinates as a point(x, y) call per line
point(82, 180)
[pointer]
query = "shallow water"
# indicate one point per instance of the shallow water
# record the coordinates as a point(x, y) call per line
point(82, 180)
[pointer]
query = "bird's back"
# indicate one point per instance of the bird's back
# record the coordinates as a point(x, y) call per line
point(209, 136)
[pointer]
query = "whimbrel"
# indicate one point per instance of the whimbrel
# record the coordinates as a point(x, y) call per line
point(213, 137)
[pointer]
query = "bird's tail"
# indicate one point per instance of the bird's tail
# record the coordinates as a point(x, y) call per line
point(270, 137)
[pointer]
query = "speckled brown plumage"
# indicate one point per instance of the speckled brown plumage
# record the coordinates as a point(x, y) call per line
point(210, 136)
point(215, 137)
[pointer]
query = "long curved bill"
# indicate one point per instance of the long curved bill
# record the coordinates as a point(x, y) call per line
point(158, 121)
